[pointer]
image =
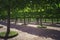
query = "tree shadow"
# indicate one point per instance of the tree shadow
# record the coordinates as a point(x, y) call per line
point(47, 24)
point(54, 25)
point(42, 32)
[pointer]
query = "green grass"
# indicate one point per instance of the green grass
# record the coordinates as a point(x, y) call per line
point(11, 34)
point(41, 26)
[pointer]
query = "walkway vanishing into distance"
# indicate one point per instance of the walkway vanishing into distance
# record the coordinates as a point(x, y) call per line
point(31, 32)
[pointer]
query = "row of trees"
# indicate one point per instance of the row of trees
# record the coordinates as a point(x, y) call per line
point(31, 9)
point(38, 9)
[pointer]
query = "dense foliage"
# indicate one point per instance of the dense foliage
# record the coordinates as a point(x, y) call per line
point(30, 8)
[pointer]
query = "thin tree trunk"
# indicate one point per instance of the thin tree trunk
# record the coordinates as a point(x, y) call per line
point(37, 19)
point(21, 20)
point(24, 19)
point(8, 21)
point(52, 20)
point(41, 19)
point(58, 8)
point(8, 24)
point(28, 20)
point(41, 22)
point(16, 20)
point(45, 20)
point(57, 20)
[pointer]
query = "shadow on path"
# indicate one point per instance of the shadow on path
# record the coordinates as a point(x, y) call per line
point(42, 32)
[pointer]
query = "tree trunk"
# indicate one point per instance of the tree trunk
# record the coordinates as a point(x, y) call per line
point(45, 20)
point(37, 20)
point(21, 20)
point(41, 16)
point(28, 20)
point(8, 23)
point(57, 20)
point(16, 20)
point(41, 22)
point(52, 20)
point(24, 19)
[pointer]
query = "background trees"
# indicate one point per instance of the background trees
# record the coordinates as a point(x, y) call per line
point(38, 9)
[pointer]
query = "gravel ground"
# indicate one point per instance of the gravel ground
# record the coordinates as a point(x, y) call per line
point(33, 33)
point(25, 36)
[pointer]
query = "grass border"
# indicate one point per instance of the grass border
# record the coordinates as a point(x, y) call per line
point(9, 36)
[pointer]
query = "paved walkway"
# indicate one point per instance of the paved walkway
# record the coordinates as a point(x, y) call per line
point(31, 32)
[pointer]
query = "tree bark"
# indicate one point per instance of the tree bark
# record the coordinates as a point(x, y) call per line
point(57, 20)
point(24, 19)
point(8, 24)
point(8, 21)
point(45, 20)
point(37, 19)
point(16, 20)
point(52, 20)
